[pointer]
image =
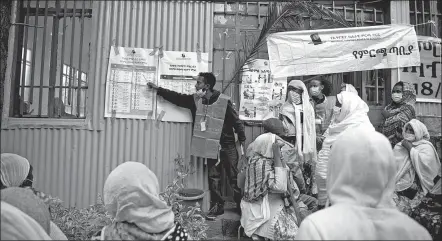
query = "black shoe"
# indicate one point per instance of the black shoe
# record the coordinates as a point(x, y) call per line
point(215, 211)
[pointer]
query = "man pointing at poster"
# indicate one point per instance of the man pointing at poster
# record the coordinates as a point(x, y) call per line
point(214, 120)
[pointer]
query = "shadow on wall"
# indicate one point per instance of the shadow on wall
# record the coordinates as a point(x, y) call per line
point(5, 22)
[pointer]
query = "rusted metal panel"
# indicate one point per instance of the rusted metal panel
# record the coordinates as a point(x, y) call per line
point(73, 164)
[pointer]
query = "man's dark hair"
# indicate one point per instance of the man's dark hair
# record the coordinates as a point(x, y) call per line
point(209, 79)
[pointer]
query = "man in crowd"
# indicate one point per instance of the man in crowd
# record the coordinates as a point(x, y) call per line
point(214, 122)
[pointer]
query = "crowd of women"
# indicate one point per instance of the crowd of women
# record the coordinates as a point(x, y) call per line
point(320, 171)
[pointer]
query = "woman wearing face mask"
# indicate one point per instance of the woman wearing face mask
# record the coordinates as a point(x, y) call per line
point(350, 111)
point(418, 177)
point(319, 89)
point(298, 117)
point(400, 111)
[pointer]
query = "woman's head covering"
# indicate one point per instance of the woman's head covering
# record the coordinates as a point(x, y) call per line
point(14, 169)
point(361, 169)
point(17, 225)
point(351, 88)
point(408, 93)
point(262, 146)
point(353, 109)
point(420, 130)
point(274, 125)
point(25, 200)
point(308, 150)
point(131, 194)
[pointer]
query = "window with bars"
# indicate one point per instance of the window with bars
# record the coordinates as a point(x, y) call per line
point(52, 62)
point(423, 11)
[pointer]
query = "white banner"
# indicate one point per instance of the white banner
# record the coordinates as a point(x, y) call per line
point(177, 71)
point(261, 95)
point(326, 51)
point(426, 77)
point(127, 95)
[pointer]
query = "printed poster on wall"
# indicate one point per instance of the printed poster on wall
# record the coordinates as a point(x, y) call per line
point(261, 95)
point(325, 51)
point(177, 72)
point(127, 95)
point(426, 78)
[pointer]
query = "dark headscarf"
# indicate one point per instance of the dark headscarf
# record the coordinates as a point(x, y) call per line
point(274, 125)
point(25, 200)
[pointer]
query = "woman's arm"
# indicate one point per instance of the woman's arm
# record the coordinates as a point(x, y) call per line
point(278, 181)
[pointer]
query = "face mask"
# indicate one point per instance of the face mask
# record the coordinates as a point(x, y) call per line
point(314, 91)
point(409, 137)
point(296, 98)
point(200, 93)
point(396, 97)
point(336, 113)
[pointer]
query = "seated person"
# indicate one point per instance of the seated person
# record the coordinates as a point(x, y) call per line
point(131, 197)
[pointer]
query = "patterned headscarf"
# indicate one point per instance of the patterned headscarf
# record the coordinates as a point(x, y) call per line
point(408, 93)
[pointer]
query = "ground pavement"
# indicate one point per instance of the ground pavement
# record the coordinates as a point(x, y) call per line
point(225, 227)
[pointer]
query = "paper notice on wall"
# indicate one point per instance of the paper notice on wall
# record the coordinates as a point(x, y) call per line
point(261, 95)
point(177, 72)
point(127, 95)
point(325, 51)
point(426, 78)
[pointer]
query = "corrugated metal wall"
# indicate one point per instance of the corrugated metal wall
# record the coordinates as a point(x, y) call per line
point(73, 164)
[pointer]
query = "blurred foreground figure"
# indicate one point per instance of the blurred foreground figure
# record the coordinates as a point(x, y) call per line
point(360, 186)
point(16, 171)
point(131, 196)
point(16, 225)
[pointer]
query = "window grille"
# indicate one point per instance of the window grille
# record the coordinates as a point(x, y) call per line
point(51, 76)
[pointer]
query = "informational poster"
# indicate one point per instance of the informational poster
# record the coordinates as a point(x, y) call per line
point(261, 95)
point(325, 51)
point(426, 78)
point(127, 95)
point(177, 72)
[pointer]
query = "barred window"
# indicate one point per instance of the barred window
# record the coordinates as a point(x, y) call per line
point(50, 79)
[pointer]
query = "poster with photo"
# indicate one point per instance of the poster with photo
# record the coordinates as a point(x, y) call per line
point(261, 95)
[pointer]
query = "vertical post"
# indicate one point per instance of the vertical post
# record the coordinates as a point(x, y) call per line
point(15, 85)
point(80, 73)
point(53, 61)
point(71, 62)
point(43, 55)
point(34, 53)
point(24, 57)
point(62, 68)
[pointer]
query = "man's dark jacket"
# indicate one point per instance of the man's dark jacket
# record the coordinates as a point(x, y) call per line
point(231, 119)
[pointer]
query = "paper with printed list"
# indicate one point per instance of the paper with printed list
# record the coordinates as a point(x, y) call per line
point(127, 94)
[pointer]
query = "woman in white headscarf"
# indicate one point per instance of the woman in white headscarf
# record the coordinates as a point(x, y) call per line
point(419, 175)
point(17, 225)
point(131, 196)
point(350, 111)
point(298, 117)
point(361, 182)
point(349, 88)
point(16, 171)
